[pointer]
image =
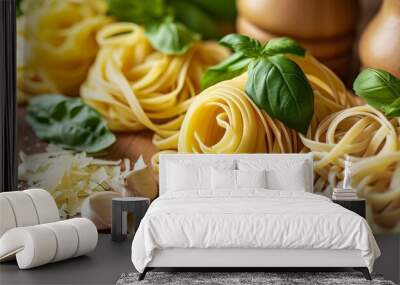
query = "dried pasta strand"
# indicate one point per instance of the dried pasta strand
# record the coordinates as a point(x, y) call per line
point(222, 119)
point(329, 91)
point(135, 87)
point(56, 44)
point(373, 142)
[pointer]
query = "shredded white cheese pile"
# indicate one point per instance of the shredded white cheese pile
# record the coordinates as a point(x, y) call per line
point(70, 177)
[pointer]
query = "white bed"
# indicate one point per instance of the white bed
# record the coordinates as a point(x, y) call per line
point(199, 226)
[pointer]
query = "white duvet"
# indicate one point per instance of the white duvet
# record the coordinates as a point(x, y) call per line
point(250, 219)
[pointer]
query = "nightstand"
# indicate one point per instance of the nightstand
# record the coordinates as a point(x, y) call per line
point(356, 206)
point(121, 207)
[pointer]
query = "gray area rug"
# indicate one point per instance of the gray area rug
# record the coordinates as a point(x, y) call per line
point(243, 278)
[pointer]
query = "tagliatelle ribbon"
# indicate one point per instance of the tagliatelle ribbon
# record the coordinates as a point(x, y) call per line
point(135, 87)
point(56, 44)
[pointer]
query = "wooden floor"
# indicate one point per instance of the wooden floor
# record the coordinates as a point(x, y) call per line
point(103, 266)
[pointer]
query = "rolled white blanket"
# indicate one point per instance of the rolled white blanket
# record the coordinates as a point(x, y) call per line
point(23, 209)
point(40, 244)
point(7, 218)
point(45, 206)
point(87, 235)
point(26, 208)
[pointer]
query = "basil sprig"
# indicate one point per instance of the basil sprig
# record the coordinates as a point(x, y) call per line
point(138, 11)
point(173, 26)
point(275, 83)
point(195, 18)
point(242, 44)
point(278, 86)
point(245, 50)
point(163, 31)
point(169, 37)
point(283, 45)
point(380, 89)
point(68, 123)
point(233, 66)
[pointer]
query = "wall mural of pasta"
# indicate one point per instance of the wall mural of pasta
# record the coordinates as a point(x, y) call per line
point(135, 87)
point(101, 83)
point(57, 44)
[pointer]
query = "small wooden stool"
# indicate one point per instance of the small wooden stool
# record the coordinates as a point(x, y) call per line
point(120, 208)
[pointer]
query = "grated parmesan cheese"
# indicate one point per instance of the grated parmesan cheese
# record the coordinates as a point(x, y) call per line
point(70, 177)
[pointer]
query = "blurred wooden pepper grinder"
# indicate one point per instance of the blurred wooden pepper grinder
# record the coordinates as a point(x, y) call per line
point(380, 42)
point(325, 27)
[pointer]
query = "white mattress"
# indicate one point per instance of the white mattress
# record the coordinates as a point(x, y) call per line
point(250, 219)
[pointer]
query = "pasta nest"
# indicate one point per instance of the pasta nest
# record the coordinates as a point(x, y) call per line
point(135, 87)
point(223, 119)
point(56, 44)
point(373, 142)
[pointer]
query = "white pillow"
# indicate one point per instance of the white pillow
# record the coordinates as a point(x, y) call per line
point(251, 178)
point(285, 174)
point(223, 179)
point(293, 180)
point(236, 179)
point(183, 178)
point(184, 174)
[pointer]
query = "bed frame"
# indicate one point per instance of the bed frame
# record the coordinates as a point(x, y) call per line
point(249, 259)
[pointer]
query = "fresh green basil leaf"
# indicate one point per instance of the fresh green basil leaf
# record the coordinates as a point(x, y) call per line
point(18, 10)
point(196, 19)
point(195, 15)
point(233, 66)
point(278, 86)
point(218, 9)
point(258, 82)
point(139, 11)
point(68, 123)
point(378, 88)
point(394, 109)
point(283, 45)
point(170, 37)
point(242, 44)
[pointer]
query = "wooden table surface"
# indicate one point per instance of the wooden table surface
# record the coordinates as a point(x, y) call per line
point(128, 145)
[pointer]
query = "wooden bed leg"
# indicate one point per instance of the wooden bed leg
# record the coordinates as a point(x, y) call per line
point(364, 271)
point(143, 274)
